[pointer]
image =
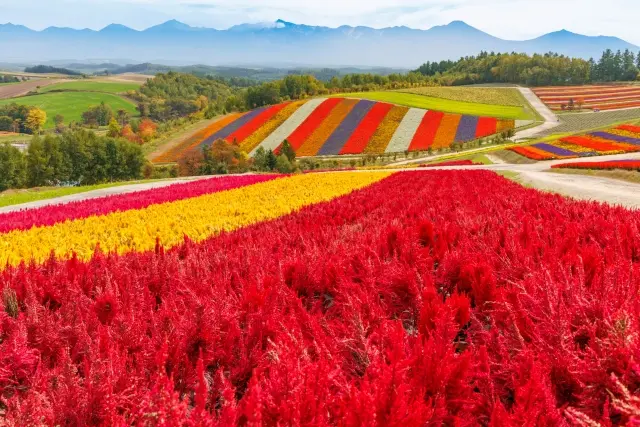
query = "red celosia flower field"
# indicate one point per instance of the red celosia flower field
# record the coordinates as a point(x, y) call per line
point(422, 299)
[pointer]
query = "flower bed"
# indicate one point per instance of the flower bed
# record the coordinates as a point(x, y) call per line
point(364, 133)
point(447, 131)
point(422, 299)
point(169, 223)
point(251, 142)
point(613, 164)
point(382, 136)
point(344, 126)
point(611, 141)
point(347, 127)
point(54, 214)
point(320, 135)
point(426, 132)
point(195, 140)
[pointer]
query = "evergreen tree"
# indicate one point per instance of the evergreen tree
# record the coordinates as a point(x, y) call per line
point(271, 160)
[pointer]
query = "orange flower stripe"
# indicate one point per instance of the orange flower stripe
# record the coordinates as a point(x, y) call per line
point(269, 127)
point(447, 131)
point(382, 136)
point(173, 153)
point(317, 139)
point(599, 144)
point(505, 125)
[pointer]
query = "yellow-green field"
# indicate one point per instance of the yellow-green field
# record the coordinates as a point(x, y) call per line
point(446, 105)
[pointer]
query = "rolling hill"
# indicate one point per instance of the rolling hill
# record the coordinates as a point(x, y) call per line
point(342, 126)
point(284, 42)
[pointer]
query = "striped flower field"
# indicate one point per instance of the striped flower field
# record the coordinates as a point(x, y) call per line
point(617, 140)
point(603, 97)
point(413, 298)
point(342, 126)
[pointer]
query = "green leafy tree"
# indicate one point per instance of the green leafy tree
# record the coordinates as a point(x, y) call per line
point(6, 124)
point(12, 167)
point(288, 151)
point(260, 160)
point(283, 165)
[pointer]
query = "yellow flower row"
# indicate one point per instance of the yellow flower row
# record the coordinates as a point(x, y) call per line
point(382, 136)
point(621, 132)
point(572, 147)
point(198, 218)
point(271, 125)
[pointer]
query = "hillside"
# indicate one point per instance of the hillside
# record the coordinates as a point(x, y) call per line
point(341, 126)
point(285, 43)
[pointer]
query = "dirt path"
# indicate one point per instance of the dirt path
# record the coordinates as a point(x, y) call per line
point(19, 89)
point(550, 119)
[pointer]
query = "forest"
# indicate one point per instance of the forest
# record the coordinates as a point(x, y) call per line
point(73, 158)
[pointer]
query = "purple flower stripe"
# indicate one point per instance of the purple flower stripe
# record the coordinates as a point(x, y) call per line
point(555, 150)
point(232, 127)
point(467, 129)
point(617, 138)
point(341, 135)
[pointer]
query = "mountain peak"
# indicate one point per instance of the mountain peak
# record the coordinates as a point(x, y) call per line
point(117, 28)
point(172, 24)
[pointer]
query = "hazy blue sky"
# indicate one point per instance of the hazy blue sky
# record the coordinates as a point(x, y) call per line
point(512, 19)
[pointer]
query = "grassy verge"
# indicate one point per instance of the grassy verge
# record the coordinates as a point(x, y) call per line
point(449, 106)
point(619, 174)
point(513, 176)
point(16, 197)
point(481, 159)
point(508, 156)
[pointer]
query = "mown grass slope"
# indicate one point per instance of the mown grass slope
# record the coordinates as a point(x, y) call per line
point(71, 104)
point(446, 105)
point(91, 86)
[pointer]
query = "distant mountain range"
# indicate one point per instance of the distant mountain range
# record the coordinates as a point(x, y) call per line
point(283, 44)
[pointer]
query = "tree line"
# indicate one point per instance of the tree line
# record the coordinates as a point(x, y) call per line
point(21, 118)
point(73, 158)
point(534, 70)
point(47, 69)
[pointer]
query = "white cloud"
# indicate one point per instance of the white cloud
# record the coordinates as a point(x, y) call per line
point(511, 19)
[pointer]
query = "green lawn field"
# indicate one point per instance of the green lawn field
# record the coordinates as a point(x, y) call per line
point(91, 86)
point(446, 105)
point(71, 104)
